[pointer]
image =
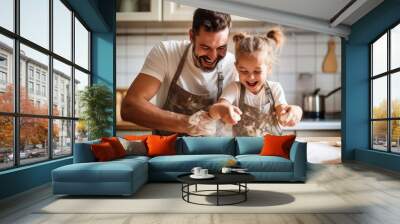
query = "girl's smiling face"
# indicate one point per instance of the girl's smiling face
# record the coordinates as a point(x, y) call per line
point(252, 70)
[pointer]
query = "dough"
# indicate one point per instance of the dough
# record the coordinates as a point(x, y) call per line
point(236, 117)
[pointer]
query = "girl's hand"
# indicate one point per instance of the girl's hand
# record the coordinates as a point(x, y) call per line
point(233, 115)
point(226, 112)
point(289, 115)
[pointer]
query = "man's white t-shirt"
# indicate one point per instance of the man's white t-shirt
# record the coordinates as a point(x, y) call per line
point(162, 63)
point(232, 94)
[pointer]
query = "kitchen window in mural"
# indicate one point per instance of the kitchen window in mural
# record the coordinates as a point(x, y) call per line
point(385, 94)
point(41, 122)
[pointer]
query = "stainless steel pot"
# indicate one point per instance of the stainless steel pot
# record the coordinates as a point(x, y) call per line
point(314, 103)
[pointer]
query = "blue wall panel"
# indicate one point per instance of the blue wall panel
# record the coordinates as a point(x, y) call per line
point(24, 178)
point(357, 101)
point(103, 54)
point(103, 67)
point(377, 158)
point(355, 79)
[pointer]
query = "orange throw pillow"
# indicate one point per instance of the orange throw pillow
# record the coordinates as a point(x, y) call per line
point(277, 145)
point(136, 137)
point(161, 145)
point(103, 152)
point(116, 145)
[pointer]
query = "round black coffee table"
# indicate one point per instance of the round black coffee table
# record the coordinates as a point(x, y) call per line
point(238, 179)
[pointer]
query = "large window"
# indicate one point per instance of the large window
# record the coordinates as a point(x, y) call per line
point(7, 14)
point(385, 92)
point(44, 64)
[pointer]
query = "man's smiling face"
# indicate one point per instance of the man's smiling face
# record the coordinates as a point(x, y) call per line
point(209, 47)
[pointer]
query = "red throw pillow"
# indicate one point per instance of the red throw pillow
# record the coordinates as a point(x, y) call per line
point(161, 145)
point(277, 145)
point(103, 151)
point(116, 145)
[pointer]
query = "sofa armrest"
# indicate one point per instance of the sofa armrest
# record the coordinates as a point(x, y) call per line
point(83, 152)
point(298, 155)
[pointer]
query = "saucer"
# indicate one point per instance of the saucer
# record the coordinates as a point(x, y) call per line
point(240, 171)
point(208, 176)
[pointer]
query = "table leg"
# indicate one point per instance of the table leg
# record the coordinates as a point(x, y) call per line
point(217, 194)
point(196, 188)
point(245, 191)
point(188, 189)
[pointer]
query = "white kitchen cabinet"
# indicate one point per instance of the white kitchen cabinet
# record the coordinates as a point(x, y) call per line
point(156, 11)
point(177, 12)
point(139, 10)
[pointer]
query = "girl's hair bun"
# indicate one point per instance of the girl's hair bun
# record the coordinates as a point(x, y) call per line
point(276, 34)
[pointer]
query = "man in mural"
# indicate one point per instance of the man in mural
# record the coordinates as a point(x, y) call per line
point(186, 77)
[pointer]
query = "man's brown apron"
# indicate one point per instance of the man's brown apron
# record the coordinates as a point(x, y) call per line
point(183, 102)
point(255, 122)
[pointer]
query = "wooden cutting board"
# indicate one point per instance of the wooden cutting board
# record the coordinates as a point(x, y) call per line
point(330, 64)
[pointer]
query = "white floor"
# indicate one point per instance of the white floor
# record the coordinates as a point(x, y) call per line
point(323, 152)
point(377, 189)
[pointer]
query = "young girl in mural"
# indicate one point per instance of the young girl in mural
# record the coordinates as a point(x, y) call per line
point(255, 106)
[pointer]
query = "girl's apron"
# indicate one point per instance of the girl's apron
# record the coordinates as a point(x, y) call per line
point(255, 122)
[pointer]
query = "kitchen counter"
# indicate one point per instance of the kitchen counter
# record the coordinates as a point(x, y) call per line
point(311, 124)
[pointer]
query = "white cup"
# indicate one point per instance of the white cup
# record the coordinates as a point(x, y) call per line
point(226, 170)
point(203, 172)
point(196, 170)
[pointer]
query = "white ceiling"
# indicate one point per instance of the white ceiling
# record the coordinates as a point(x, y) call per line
point(321, 9)
point(313, 15)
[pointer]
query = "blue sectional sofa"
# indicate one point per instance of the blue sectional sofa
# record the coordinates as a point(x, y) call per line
point(125, 176)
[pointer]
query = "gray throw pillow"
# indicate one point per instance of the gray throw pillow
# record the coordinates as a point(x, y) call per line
point(134, 147)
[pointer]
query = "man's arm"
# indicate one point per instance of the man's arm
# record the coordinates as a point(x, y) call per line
point(136, 107)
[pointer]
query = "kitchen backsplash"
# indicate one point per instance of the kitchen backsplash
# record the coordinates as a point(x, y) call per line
point(299, 69)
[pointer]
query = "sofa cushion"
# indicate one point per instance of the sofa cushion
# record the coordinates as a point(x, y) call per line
point(161, 145)
point(103, 152)
point(111, 171)
point(249, 145)
point(116, 145)
point(185, 163)
point(207, 145)
point(131, 158)
point(136, 137)
point(257, 163)
point(83, 152)
point(134, 147)
point(277, 145)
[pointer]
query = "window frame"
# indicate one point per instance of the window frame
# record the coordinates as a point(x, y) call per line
point(16, 114)
point(388, 74)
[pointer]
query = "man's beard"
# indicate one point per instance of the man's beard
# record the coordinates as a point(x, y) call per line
point(200, 60)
